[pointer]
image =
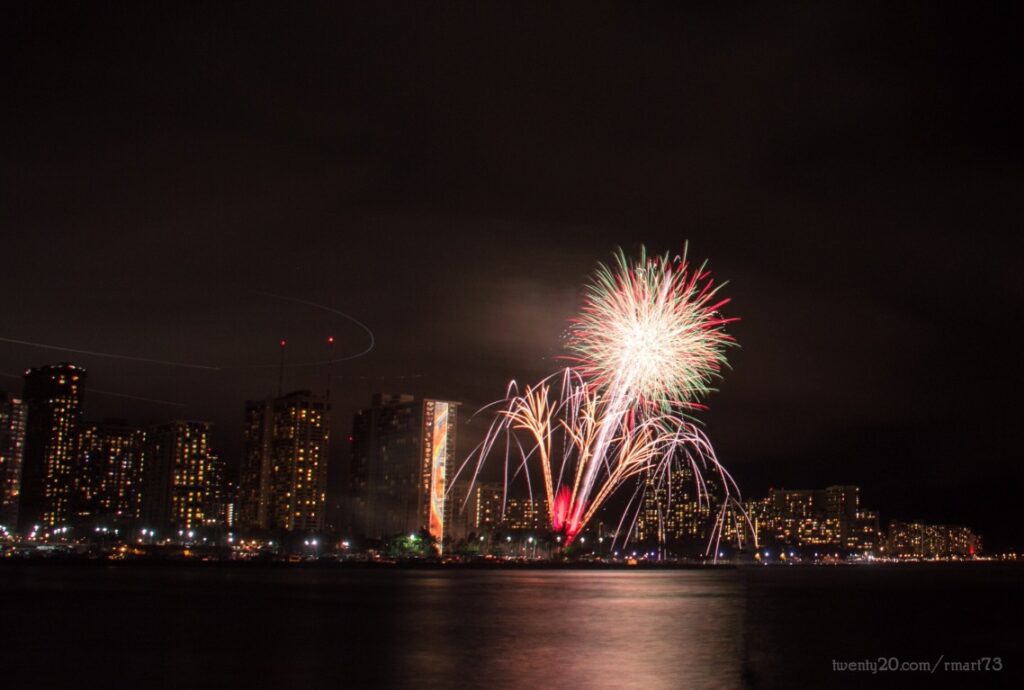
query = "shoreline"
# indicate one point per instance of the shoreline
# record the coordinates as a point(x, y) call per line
point(439, 566)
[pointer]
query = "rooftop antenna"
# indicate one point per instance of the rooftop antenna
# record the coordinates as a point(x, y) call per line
point(330, 362)
point(280, 371)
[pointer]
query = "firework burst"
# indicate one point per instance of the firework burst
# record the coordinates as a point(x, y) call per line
point(644, 352)
point(652, 330)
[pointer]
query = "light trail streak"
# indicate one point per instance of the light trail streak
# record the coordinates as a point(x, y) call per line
point(110, 355)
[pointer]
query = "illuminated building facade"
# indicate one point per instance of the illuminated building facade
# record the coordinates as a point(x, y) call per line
point(437, 454)
point(403, 452)
point(488, 506)
point(762, 520)
point(108, 472)
point(53, 395)
point(215, 512)
point(299, 481)
point(490, 509)
point(522, 514)
point(675, 510)
point(90, 468)
point(799, 517)
point(13, 414)
point(283, 481)
point(826, 520)
point(864, 535)
point(176, 475)
point(817, 517)
point(229, 501)
point(922, 540)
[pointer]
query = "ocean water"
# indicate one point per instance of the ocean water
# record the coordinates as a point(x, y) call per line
point(182, 626)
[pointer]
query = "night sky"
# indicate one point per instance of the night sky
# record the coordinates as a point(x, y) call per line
point(449, 175)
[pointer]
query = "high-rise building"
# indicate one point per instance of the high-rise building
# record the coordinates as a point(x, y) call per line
point(817, 517)
point(403, 451)
point(922, 540)
point(384, 482)
point(437, 455)
point(283, 481)
point(13, 413)
point(762, 519)
point(108, 476)
point(522, 513)
point(253, 500)
point(863, 535)
point(489, 508)
point(125, 446)
point(229, 497)
point(176, 475)
point(53, 395)
point(215, 510)
point(88, 480)
point(678, 509)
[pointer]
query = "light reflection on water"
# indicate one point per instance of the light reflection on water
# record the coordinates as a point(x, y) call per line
point(576, 629)
point(282, 627)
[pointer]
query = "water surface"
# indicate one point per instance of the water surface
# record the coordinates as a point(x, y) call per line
point(292, 627)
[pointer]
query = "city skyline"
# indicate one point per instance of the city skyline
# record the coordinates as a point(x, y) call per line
point(436, 345)
point(105, 475)
point(397, 184)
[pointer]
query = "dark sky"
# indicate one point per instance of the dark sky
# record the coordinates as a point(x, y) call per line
point(450, 174)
